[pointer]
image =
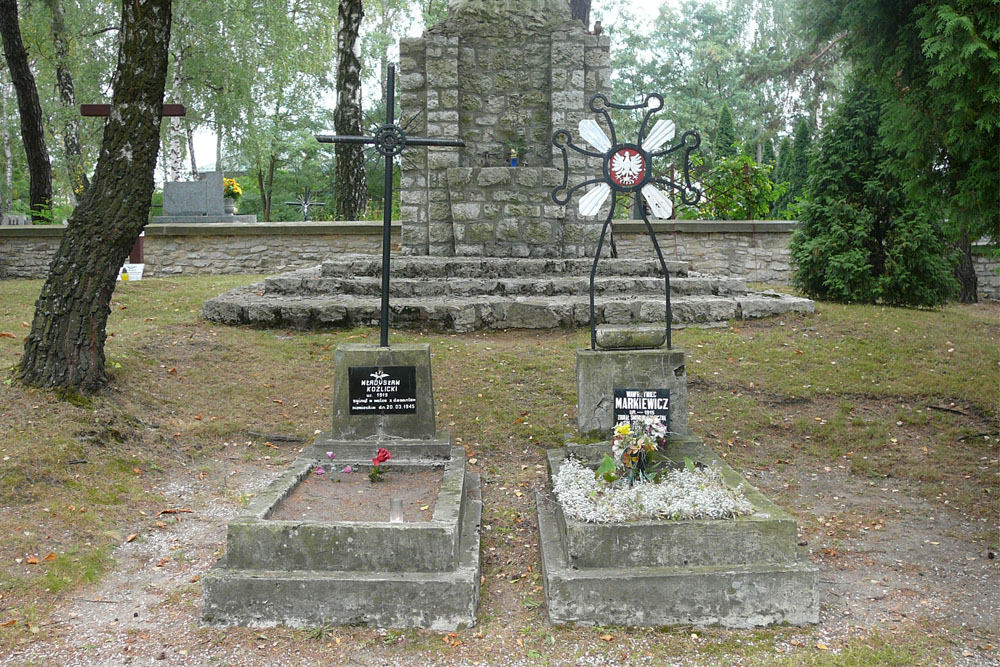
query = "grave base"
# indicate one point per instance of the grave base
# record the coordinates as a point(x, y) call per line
point(301, 573)
point(767, 580)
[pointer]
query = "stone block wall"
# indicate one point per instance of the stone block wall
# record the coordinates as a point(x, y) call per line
point(756, 251)
point(987, 272)
point(495, 78)
point(208, 248)
point(495, 212)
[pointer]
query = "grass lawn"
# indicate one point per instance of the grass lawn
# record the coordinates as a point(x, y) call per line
point(829, 414)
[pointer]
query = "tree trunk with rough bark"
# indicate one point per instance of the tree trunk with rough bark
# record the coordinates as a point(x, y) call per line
point(580, 9)
point(173, 158)
point(189, 132)
point(77, 169)
point(965, 271)
point(265, 183)
point(8, 157)
point(351, 190)
point(218, 145)
point(65, 347)
point(32, 131)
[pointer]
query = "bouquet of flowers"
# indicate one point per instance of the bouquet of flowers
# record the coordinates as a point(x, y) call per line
point(635, 446)
point(231, 189)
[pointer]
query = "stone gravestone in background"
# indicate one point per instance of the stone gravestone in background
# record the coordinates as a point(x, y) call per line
point(197, 201)
point(498, 74)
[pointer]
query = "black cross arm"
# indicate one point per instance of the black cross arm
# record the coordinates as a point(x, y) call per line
point(432, 141)
point(343, 139)
point(410, 141)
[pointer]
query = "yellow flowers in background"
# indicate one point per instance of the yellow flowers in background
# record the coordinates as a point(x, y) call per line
point(231, 189)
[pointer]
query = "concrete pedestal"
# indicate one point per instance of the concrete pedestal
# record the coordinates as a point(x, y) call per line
point(600, 372)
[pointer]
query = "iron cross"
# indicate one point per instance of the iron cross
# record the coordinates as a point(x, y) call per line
point(389, 140)
point(305, 203)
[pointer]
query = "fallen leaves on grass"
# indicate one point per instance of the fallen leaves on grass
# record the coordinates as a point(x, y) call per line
point(4, 334)
point(175, 510)
point(131, 537)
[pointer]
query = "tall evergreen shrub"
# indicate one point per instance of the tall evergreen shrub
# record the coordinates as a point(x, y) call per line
point(861, 238)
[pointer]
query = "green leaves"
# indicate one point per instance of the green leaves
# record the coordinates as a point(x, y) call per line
point(606, 470)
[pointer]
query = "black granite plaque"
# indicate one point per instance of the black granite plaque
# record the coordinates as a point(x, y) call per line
point(633, 403)
point(382, 390)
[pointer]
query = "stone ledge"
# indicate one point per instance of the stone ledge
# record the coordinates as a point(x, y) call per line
point(356, 227)
point(708, 226)
point(362, 227)
point(30, 231)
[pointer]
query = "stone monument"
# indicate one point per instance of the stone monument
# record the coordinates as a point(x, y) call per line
point(485, 246)
point(197, 202)
point(500, 75)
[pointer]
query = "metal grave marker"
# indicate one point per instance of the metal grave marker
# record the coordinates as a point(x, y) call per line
point(628, 169)
point(305, 203)
point(389, 140)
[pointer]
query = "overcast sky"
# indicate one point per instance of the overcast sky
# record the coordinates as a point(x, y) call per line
point(205, 138)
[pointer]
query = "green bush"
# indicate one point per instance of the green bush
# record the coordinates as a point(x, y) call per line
point(861, 238)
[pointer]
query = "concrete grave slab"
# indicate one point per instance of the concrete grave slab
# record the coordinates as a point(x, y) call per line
point(736, 573)
point(311, 573)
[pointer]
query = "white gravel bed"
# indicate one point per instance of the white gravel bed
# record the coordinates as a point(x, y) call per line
point(681, 494)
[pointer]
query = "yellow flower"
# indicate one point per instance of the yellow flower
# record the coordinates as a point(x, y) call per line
point(623, 429)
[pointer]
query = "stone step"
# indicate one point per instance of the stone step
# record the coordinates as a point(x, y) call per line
point(422, 266)
point(307, 284)
point(254, 306)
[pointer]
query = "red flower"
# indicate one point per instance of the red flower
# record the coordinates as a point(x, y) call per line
point(381, 456)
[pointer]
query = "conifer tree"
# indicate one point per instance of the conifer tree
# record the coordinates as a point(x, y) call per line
point(725, 135)
point(862, 239)
point(767, 153)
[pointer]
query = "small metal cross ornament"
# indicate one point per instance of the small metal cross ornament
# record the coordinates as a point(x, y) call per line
point(305, 203)
point(389, 140)
point(628, 168)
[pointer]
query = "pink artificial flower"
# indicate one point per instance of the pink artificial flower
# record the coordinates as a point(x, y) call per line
point(319, 470)
point(331, 455)
point(348, 470)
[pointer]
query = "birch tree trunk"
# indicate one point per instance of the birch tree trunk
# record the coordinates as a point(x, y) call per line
point(351, 190)
point(173, 159)
point(8, 157)
point(65, 347)
point(32, 131)
point(75, 166)
point(190, 146)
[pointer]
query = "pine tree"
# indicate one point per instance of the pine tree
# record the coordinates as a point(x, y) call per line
point(725, 135)
point(862, 239)
point(767, 153)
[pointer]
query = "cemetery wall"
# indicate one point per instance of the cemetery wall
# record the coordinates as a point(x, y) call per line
point(756, 251)
point(209, 248)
